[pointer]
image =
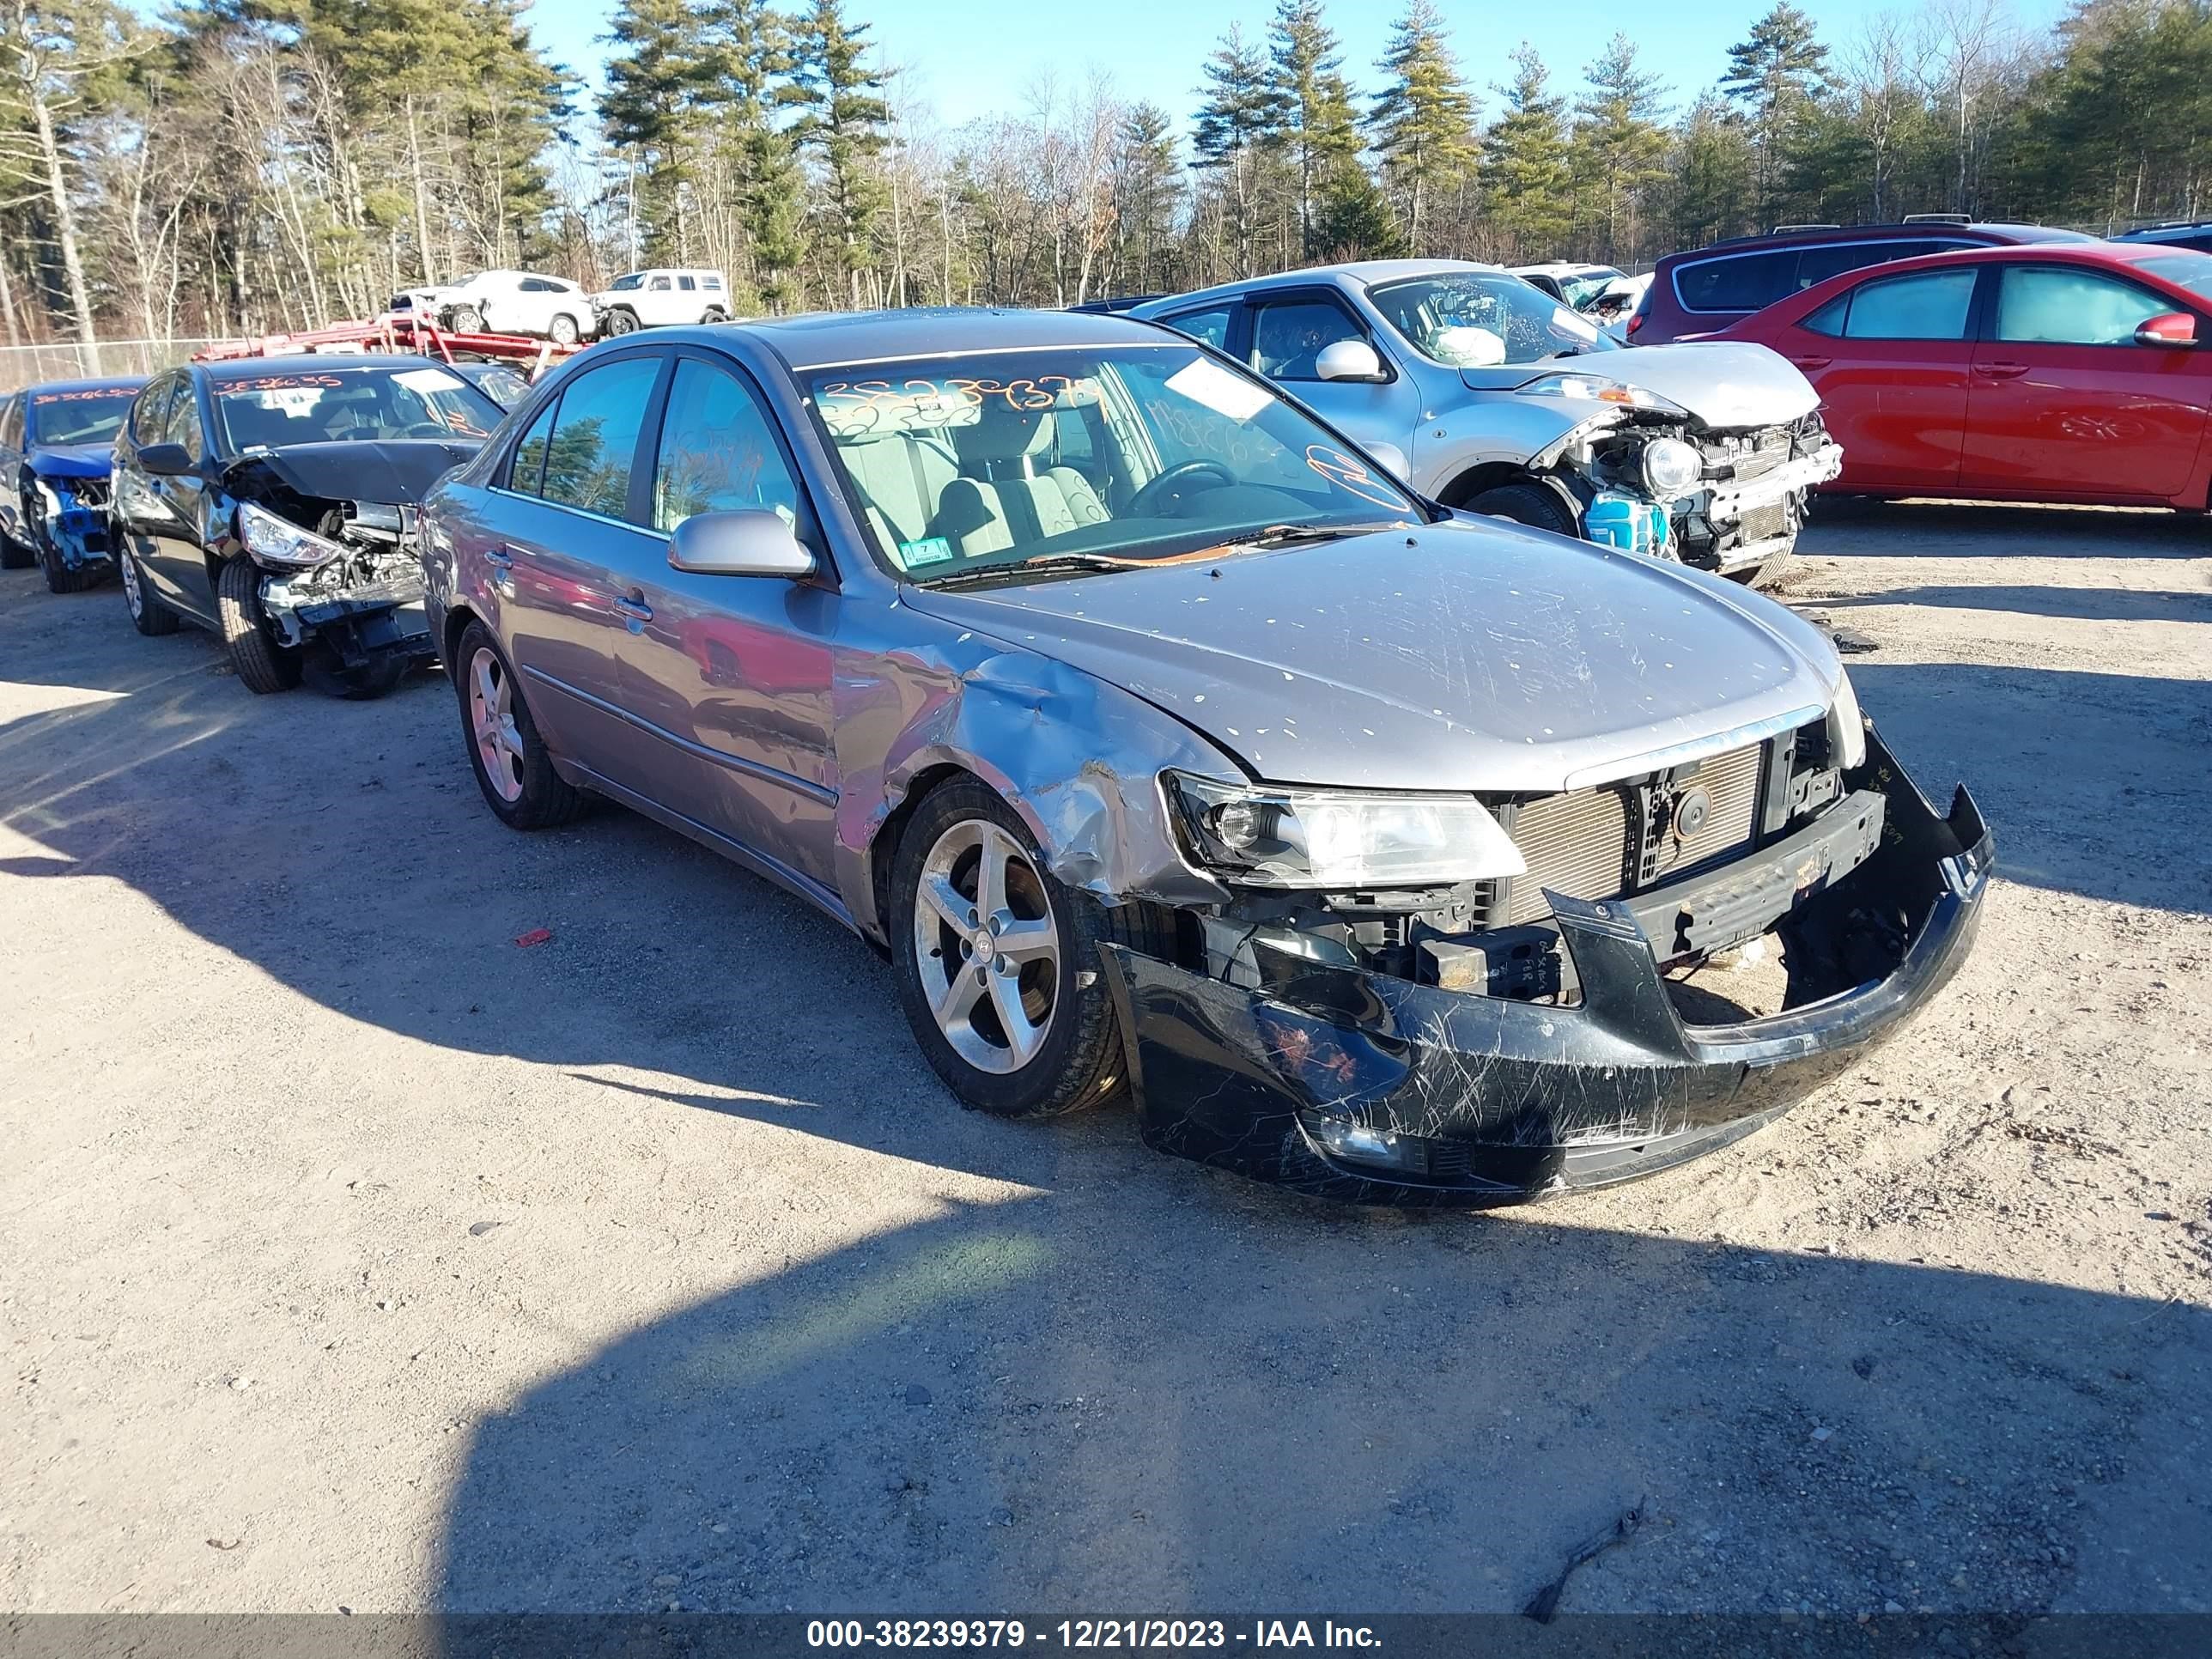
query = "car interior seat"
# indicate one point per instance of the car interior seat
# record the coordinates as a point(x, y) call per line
point(1002, 498)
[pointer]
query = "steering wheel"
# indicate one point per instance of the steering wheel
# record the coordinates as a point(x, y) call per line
point(1143, 503)
point(424, 429)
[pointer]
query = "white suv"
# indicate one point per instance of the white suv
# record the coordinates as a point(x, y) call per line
point(516, 303)
point(662, 296)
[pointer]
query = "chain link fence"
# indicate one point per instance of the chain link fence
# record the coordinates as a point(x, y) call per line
point(30, 365)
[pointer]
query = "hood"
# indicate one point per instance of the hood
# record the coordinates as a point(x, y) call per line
point(72, 460)
point(1724, 384)
point(1470, 655)
point(396, 471)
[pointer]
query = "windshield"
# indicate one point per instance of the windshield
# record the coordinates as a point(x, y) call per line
point(1484, 319)
point(2190, 270)
point(1586, 286)
point(268, 411)
point(91, 416)
point(635, 279)
point(1096, 455)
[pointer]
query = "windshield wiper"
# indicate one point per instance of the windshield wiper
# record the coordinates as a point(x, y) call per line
point(1051, 564)
point(1289, 535)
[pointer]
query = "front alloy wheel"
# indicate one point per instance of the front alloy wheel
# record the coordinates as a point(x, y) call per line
point(989, 948)
point(998, 963)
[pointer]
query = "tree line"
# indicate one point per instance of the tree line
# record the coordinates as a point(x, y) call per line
point(249, 166)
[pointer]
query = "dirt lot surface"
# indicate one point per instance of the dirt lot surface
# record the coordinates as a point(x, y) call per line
point(355, 1256)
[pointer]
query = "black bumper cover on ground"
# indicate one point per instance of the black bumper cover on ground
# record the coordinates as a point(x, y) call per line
point(1494, 1101)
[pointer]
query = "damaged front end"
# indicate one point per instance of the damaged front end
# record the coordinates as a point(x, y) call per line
point(350, 588)
point(70, 524)
point(1647, 476)
point(1572, 1024)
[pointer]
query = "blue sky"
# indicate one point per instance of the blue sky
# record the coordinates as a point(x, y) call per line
point(966, 58)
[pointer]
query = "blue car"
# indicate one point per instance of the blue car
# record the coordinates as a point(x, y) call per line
point(57, 449)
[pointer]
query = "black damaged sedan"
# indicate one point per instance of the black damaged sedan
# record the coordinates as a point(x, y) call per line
point(274, 501)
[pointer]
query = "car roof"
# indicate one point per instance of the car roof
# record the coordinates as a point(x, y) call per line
point(96, 383)
point(1368, 273)
point(303, 362)
point(825, 339)
point(1994, 232)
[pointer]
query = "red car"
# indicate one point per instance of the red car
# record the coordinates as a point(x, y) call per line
point(2056, 373)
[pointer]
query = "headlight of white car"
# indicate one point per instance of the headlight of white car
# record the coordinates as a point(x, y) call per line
point(1261, 837)
point(280, 545)
point(1846, 727)
point(1596, 388)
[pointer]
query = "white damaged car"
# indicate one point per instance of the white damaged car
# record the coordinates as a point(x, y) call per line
point(1501, 400)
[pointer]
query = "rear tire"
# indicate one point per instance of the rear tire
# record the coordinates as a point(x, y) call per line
point(716, 315)
point(1064, 1049)
point(148, 614)
point(1532, 504)
point(526, 792)
point(262, 665)
point(564, 330)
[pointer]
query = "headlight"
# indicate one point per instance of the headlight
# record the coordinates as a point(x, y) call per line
point(1337, 838)
point(1596, 388)
point(281, 544)
point(1846, 727)
point(1671, 468)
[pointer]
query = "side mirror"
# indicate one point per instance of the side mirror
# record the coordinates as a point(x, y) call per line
point(2168, 328)
point(749, 542)
point(1348, 360)
point(1392, 459)
point(169, 461)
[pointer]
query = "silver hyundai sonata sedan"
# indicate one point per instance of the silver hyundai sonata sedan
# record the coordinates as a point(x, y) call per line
point(1166, 747)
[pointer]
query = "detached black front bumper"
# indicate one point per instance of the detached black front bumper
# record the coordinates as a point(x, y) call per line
point(1361, 1086)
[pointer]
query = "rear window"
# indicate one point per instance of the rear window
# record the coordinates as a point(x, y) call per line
point(1737, 282)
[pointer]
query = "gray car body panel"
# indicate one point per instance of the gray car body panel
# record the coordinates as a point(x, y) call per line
point(1461, 419)
point(1447, 642)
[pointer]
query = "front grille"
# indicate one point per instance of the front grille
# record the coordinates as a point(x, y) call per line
point(1602, 843)
point(1741, 458)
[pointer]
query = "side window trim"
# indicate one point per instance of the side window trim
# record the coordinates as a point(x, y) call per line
point(648, 424)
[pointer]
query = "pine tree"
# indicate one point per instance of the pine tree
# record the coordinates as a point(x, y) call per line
point(845, 122)
point(1423, 123)
point(1524, 162)
point(1314, 100)
point(658, 74)
point(1240, 117)
point(1619, 146)
point(1145, 199)
point(1712, 168)
point(749, 51)
point(1775, 76)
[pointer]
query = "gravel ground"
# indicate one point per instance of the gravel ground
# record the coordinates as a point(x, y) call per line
point(355, 1256)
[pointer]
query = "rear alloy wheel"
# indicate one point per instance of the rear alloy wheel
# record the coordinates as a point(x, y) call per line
point(563, 330)
point(1533, 504)
point(148, 614)
point(998, 962)
point(513, 767)
point(262, 665)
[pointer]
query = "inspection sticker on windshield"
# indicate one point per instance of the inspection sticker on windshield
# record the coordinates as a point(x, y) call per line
point(930, 550)
point(1207, 382)
point(426, 380)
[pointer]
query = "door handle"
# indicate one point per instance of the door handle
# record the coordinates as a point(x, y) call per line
point(1812, 362)
point(2001, 371)
point(634, 606)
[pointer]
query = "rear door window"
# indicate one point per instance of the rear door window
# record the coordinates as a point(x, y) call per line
point(1210, 325)
point(1927, 305)
point(1737, 282)
point(592, 446)
point(526, 473)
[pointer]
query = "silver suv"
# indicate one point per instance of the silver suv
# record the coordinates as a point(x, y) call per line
point(1502, 400)
point(1167, 749)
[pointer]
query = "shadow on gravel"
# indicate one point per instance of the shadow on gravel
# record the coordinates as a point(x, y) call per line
point(1113, 1398)
point(2065, 604)
point(2091, 781)
point(1982, 530)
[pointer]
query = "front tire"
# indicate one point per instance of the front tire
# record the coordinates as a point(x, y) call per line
point(512, 766)
point(621, 322)
point(148, 614)
point(998, 962)
point(467, 319)
point(263, 666)
point(564, 330)
point(1530, 503)
point(60, 579)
